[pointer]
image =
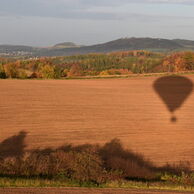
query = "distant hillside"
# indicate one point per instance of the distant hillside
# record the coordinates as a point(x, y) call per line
point(123, 44)
point(66, 45)
point(138, 44)
point(118, 45)
point(188, 44)
point(15, 48)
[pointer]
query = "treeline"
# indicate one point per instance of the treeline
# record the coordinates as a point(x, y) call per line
point(117, 63)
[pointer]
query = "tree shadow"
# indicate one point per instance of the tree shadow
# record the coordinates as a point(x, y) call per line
point(173, 91)
point(13, 146)
point(80, 162)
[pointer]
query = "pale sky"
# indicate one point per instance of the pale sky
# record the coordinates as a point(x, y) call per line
point(47, 22)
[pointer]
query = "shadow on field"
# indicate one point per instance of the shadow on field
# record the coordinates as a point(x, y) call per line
point(94, 163)
point(173, 91)
point(13, 146)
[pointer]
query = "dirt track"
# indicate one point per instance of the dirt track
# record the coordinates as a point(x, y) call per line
point(83, 191)
point(54, 112)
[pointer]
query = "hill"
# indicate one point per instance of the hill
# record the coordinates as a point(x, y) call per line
point(66, 45)
point(123, 44)
point(188, 44)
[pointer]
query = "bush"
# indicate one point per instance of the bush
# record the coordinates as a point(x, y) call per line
point(50, 72)
point(86, 167)
point(58, 72)
point(11, 70)
point(75, 71)
point(22, 74)
point(2, 72)
point(104, 73)
point(130, 164)
point(86, 164)
point(65, 73)
point(183, 61)
point(183, 179)
point(81, 166)
point(47, 72)
point(35, 75)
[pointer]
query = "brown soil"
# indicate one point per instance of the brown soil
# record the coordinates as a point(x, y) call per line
point(83, 191)
point(55, 112)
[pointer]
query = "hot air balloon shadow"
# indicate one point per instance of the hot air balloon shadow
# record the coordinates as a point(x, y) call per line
point(173, 90)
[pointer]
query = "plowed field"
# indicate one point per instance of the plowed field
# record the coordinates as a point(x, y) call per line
point(55, 112)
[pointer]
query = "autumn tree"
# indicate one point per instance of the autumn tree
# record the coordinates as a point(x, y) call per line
point(22, 74)
point(183, 61)
point(11, 70)
point(189, 60)
point(75, 70)
point(2, 72)
point(50, 72)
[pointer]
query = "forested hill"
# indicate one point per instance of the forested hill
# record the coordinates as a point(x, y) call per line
point(188, 44)
point(66, 45)
point(123, 44)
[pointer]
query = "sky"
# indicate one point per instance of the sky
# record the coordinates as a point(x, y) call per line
point(86, 22)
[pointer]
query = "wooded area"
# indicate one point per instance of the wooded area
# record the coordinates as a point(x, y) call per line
point(115, 63)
